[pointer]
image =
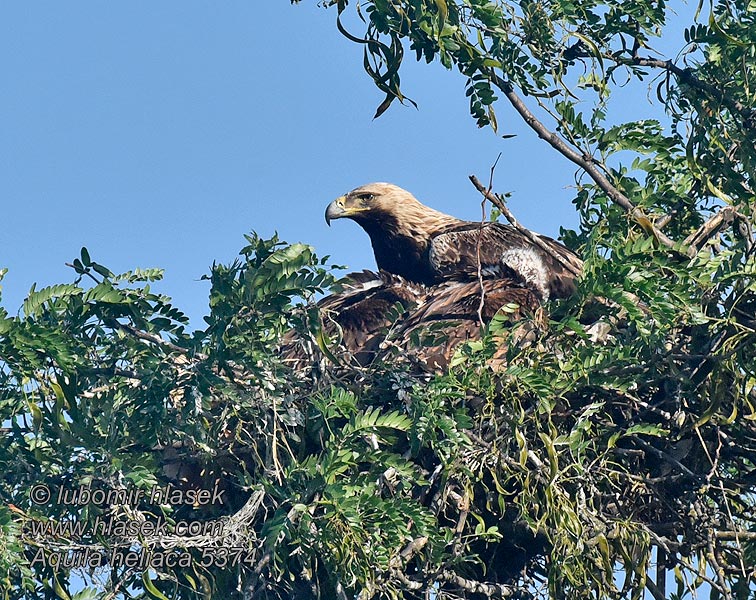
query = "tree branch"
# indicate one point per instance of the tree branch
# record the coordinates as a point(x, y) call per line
point(654, 590)
point(687, 77)
point(584, 161)
point(491, 590)
point(154, 339)
point(665, 456)
point(711, 227)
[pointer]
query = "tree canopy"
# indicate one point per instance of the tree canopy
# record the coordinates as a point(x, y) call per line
point(612, 453)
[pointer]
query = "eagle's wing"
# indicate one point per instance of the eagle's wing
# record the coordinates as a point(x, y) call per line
point(386, 318)
point(357, 315)
point(503, 251)
point(363, 313)
point(450, 314)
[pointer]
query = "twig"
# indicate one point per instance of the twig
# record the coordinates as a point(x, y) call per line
point(274, 444)
point(478, 242)
point(119, 585)
point(82, 273)
point(533, 237)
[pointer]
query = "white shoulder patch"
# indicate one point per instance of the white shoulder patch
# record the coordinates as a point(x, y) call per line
point(529, 264)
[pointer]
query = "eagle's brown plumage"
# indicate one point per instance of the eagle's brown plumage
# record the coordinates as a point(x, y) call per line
point(429, 285)
point(380, 317)
point(426, 246)
point(362, 312)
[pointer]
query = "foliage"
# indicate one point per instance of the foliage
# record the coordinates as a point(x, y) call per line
point(617, 441)
point(641, 396)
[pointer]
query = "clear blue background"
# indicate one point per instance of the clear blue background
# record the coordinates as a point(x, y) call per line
point(157, 133)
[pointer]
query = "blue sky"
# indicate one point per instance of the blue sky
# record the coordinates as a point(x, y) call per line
point(158, 133)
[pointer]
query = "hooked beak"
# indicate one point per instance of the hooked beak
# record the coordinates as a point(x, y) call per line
point(335, 210)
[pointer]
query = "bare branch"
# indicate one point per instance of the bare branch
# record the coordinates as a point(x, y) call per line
point(482, 303)
point(491, 590)
point(533, 237)
point(724, 217)
point(736, 536)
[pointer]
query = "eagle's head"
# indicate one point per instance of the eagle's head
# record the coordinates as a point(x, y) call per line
point(372, 202)
point(400, 228)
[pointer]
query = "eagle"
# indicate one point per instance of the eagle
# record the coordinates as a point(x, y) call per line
point(429, 287)
point(428, 247)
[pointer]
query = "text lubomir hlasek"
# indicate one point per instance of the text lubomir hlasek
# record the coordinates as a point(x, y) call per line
point(134, 496)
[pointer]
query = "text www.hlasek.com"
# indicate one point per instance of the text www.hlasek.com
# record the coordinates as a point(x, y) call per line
point(134, 527)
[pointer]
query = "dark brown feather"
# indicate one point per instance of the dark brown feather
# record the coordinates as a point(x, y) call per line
point(355, 319)
point(450, 315)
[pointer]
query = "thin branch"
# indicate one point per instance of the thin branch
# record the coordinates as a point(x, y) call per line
point(113, 372)
point(533, 237)
point(82, 273)
point(478, 242)
point(125, 578)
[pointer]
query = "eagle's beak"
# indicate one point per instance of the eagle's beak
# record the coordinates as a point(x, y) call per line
point(336, 210)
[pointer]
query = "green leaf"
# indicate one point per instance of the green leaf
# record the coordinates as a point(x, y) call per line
point(150, 587)
point(86, 261)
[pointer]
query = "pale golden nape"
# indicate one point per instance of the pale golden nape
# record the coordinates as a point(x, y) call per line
point(413, 217)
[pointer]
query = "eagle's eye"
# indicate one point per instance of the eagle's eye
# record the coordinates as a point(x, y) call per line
point(367, 197)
